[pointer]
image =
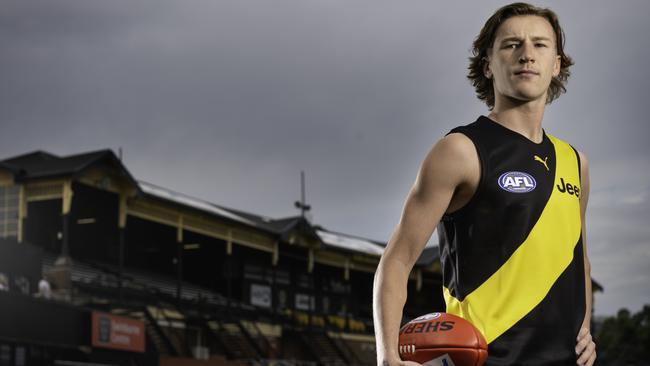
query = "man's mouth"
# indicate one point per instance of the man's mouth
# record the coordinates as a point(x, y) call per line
point(526, 72)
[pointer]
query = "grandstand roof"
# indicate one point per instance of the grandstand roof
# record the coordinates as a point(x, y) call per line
point(41, 164)
point(185, 200)
point(596, 287)
point(357, 244)
point(350, 243)
point(283, 226)
point(279, 227)
point(331, 239)
point(9, 167)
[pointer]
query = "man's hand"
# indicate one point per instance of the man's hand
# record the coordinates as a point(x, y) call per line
point(585, 348)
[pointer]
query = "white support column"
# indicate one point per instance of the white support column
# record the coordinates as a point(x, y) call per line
point(346, 274)
point(179, 230)
point(229, 243)
point(121, 221)
point(22, 211)
point(276, 254)
point(310, 262)
point(67, 196)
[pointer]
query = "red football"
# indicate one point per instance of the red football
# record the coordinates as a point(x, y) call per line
point(443, 338)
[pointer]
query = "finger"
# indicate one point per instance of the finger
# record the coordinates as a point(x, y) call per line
point(587, 358)
point(582, 343)
point(583, 358)
point(592, 359)
point(586, 355)
point(580, 346)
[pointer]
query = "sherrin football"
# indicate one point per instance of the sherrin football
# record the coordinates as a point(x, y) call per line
point(442, 339)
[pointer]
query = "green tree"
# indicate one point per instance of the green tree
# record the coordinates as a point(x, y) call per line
point(625, 339)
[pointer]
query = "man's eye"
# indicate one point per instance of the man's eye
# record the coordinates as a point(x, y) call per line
point(512, 45)
point(540, 45)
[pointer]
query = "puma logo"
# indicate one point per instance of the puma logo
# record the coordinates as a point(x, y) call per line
point(537, 158)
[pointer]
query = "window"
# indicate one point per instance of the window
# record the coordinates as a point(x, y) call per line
point(9, 201)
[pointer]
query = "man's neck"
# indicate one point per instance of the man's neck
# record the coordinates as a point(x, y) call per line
point(524, 118)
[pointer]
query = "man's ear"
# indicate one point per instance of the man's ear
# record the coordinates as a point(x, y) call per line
point(557, 66)
point(486, 67)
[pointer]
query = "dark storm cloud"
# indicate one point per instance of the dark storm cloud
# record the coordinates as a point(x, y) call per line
point(229, 100)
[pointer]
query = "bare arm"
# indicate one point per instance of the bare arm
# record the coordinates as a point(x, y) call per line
point(449, 165)
point(585, 346)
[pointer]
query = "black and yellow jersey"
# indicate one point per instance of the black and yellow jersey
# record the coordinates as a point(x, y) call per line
point(512, 257)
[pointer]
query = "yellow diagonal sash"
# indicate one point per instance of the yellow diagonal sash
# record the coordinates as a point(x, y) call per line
point(526, 277)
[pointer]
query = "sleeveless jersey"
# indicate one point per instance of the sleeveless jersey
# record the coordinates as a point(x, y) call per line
point(512, 257)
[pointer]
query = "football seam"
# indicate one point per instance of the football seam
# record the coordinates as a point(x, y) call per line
point(407, 348)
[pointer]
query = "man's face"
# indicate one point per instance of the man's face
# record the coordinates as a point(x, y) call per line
point(523, 59)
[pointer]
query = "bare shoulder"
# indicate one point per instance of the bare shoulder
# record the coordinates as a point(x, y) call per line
point(454, 148)
point(456, 143)
point(450, 172)
point(454, 156)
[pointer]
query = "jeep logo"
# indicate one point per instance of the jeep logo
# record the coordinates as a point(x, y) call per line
point(568, 188)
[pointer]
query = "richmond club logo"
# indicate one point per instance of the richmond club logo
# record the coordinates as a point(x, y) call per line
point(517, 182)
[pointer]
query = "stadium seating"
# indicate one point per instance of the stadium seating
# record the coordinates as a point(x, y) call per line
point(233, 334)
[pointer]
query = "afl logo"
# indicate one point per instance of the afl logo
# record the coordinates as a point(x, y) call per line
point(426, 317)
point(517, 182)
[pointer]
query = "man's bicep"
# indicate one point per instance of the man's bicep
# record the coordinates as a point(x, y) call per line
point(445, 168)
point(441, 172)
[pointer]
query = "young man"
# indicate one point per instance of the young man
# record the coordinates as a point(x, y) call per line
point(510, 202)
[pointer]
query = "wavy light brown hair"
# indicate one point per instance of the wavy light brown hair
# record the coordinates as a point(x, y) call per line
point(485, 41)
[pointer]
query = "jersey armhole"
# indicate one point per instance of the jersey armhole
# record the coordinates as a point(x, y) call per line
point(579, 164)
point(482, 166)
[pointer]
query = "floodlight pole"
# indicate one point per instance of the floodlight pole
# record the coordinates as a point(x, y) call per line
point(302, 205)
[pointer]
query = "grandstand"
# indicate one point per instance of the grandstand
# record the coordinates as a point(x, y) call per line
point(206, 284)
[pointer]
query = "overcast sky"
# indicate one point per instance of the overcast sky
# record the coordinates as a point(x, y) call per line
point(227, 100)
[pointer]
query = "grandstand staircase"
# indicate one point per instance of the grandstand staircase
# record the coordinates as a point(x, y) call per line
point(236, 342)
point(345, 350)
point(258, 338)
point(322, 347)
point(365, 351)
point(158, 336)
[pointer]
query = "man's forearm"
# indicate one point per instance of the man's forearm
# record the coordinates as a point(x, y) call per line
point(389, 297)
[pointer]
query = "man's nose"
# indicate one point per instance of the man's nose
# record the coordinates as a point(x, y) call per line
point(527, 53)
